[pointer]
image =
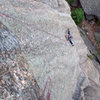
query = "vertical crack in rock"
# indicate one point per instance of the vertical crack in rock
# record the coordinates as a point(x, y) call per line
point(78, 87)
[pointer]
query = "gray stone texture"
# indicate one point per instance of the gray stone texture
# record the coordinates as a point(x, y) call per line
point(75, 3)
point(40, 26)
point(89, 17)
point(92, 92)
point(16, 83)
point(91, 7)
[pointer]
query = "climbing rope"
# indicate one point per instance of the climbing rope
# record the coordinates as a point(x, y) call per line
point(35, 27)
point(29, 25)
point(49, 91)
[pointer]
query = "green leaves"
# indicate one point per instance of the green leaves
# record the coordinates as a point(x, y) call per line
point(77, 15)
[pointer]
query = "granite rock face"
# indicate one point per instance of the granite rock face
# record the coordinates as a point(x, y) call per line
point(92, 92)
point(8, 42)
point(75, 3)
point(40, 26)
point(16, 83)
point(91, 7)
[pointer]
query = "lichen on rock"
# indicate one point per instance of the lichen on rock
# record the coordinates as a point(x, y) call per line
point(41, 29)
point(16, 83)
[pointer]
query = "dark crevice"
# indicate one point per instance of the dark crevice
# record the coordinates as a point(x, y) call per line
point(78, 86)
point(95, 57)
point(89, 45)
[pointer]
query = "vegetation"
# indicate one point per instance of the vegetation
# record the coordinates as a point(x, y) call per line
point(98, 41)
point(78, 15)
point(98, 23)
point(99, 53)
point(70, 1)
point(90, 56)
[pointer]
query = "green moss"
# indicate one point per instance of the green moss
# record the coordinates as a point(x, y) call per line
point(98, 23)
point(99, 53)
point(98, 41)
point(78, 15)
point(90, 57)
point(70, 1)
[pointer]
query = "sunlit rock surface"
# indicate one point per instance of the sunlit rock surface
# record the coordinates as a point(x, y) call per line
point(40, 26)
point(91, 7)
point(16, 83)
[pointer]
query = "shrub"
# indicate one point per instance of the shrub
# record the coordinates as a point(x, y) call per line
point(70, 1)
point(98, 23)
point(90, 56)
point(99, 53)
point(78, 15)
point(98, 41)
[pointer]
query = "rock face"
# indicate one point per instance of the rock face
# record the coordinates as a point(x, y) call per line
point(91, 7)
point(89, 17)
point(92, 92)
point(75, 3)
point(40, 26)
point(16, 83)
point(8, 42)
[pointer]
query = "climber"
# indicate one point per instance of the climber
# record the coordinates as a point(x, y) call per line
point(69, 37)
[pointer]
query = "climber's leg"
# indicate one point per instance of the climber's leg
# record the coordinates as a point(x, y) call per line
point(71, 42)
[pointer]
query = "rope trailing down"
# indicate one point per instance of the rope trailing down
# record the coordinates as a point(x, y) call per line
point(49, 90)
